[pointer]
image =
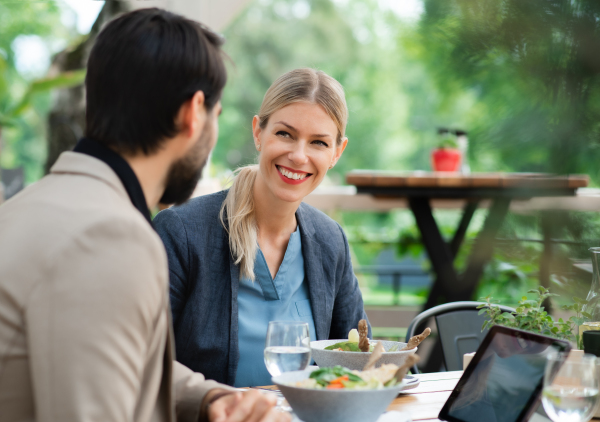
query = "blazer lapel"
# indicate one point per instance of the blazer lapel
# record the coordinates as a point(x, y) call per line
point(313, 273)
point(167, 388)
point(234, 271)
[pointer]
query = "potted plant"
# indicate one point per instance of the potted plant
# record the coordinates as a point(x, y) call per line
point(447, 156)
point(531, 316)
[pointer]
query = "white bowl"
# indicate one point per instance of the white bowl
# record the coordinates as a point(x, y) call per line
point(356, 360)
point(312, 405)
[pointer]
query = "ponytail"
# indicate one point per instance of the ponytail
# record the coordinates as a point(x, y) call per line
point(238, 209)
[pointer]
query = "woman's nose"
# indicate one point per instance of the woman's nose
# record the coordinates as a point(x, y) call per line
point(298, 153)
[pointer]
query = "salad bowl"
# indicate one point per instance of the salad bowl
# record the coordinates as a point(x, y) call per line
point(357, 360)
point(334, 405)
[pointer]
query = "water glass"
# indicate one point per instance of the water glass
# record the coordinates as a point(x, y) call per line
point(570, 391)
point(287, 347)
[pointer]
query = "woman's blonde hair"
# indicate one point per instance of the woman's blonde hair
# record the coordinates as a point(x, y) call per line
point(237, 212)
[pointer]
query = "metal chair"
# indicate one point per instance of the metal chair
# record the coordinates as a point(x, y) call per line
point(459, 330)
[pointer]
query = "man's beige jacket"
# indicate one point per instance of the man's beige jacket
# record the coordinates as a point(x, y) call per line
point(84, 313)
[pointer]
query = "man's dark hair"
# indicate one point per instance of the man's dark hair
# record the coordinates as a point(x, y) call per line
point(143, 67)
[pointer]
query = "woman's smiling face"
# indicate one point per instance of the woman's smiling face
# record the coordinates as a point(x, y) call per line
point(297, 147)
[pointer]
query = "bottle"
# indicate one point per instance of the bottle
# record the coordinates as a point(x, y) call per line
point(592, 306)
point(463, 146)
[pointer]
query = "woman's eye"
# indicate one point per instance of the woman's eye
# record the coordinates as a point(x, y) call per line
point(321, 143)
point(283, 133)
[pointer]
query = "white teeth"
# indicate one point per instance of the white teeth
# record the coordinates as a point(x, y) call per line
point(290, 175)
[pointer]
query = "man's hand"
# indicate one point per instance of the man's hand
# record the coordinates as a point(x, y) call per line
point(249, 406)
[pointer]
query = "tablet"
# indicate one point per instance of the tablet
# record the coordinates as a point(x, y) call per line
point(504, 380)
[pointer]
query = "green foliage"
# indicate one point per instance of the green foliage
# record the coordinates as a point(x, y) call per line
point(533, 69)
point(531, 316)
point(43, 85)
point(448, 142)
point(507, 280)
point(409, 242)
point(355, 42)
point(24, 103)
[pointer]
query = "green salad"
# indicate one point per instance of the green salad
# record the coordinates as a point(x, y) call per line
point(347, 346)
point(351, 346)
point(338, 377)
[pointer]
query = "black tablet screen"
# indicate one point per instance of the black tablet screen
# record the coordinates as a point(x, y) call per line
point(505, 379)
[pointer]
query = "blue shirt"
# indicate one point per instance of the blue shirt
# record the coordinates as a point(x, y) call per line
point(283, 299)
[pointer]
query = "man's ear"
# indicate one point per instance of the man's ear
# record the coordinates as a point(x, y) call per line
point(192, 115)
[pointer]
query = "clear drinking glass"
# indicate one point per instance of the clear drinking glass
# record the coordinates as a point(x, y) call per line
point(287, 347)
point(571, 390)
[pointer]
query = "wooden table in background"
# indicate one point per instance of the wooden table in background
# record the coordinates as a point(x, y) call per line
point(421, 188)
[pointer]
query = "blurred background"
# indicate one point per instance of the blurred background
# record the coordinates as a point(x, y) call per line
point(521, 77)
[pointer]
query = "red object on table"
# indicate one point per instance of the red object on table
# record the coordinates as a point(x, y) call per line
point(446, 159)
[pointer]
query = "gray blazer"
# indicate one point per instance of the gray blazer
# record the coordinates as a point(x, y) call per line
point(204, 282)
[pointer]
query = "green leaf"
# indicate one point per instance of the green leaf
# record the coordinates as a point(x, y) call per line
point(578, 321)
point(6, 121)
point(567, 307)
point(346, 346)
point(64, 80)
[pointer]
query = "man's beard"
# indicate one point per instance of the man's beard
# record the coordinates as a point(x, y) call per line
point(185, 173)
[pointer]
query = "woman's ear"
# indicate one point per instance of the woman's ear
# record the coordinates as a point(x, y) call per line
point(339, 149)
point(256, 131)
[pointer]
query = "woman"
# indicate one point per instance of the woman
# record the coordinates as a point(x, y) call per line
point(255, 253)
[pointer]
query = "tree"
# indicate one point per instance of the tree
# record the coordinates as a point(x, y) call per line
point(66, 120)
point(534, 69)
point(353, 41)
point(21, 112)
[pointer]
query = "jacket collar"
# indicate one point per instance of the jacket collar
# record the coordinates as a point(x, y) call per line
point(313, 273)
point(121, 168)
point(70, 162)
point(306, 225)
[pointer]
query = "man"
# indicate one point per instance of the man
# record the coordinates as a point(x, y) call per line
point(84, 314)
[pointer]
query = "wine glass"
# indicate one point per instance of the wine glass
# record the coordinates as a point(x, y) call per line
point(287, 347)
point(571, 390)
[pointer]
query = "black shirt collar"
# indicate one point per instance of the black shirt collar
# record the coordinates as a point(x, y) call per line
point(121, 168)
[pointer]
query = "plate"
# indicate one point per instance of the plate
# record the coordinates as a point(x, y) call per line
point(411, 382)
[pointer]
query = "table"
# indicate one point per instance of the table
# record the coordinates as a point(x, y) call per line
point(425, 402)
point(421, 188)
